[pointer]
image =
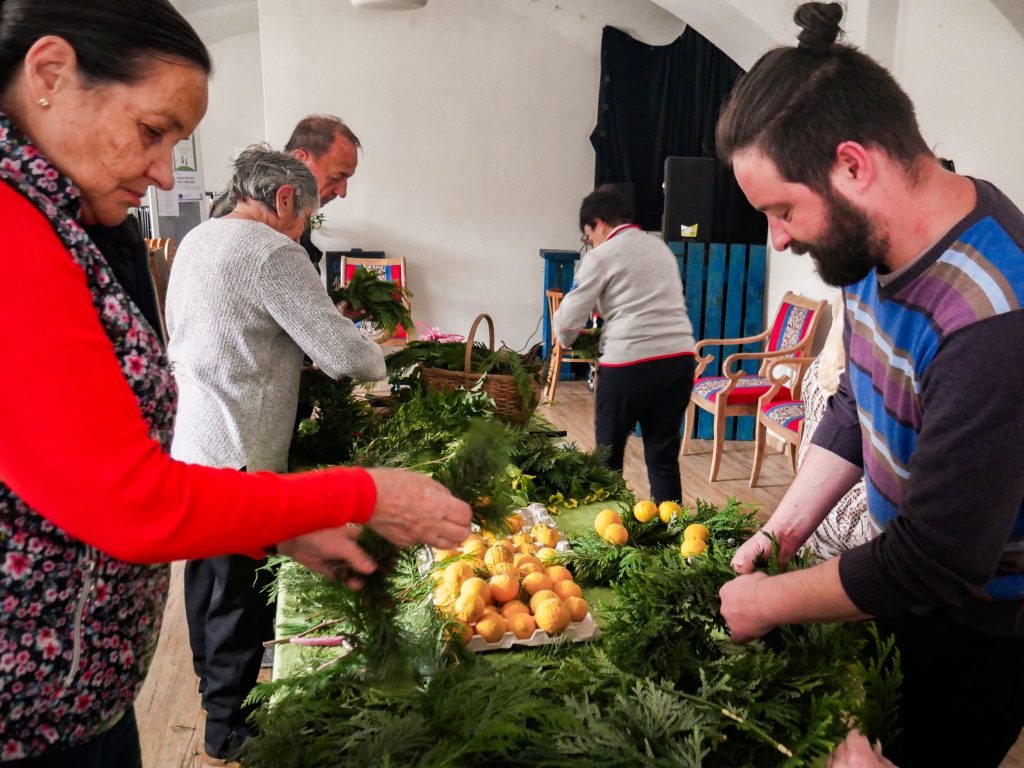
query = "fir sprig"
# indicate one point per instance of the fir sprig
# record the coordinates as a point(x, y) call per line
point(385, 302)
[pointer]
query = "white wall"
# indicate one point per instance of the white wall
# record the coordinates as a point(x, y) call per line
point(963, 65)
point(235, 116)
point(475, 119)
point(476, 115)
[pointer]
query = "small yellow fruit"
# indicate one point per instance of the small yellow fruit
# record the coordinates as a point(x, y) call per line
point(577, 607)
point(497, 553)
point(444, 554)
point(461, 631)
point(527, 568)
point(558, 573)
point(456, 573)
point(522, 625)
point(667, 509)
point(504, 587)
point(508, 568)
point(514, 523)
point(697, 531)
point(605, 518)
point(476, 586)
point(444, 597)
point(691, 547)
point(566, 589)
point(540, 596)
point(645, 510)
point(474, 546)
point(491, 627)
point(552, 616)
point(616, 535)
point(535, 582)
point(546, 537)
point(512, 607)
point(469, 608)
point(521, 559)
point(522, 543)
point(547, 554)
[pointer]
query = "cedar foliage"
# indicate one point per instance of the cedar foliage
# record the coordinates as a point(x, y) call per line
point(662, 686)
point(341, 419)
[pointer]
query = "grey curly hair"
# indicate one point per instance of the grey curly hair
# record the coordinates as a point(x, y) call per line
point(259, 172)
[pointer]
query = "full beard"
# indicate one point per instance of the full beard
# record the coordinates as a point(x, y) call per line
point(851, 247)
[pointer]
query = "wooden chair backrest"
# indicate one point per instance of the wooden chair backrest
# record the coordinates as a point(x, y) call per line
point(386, 269)
point(554, 298)
point(161, 251)
point(392, 269)
point(794, 326)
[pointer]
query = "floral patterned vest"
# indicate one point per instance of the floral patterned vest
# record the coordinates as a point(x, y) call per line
point(77, 627)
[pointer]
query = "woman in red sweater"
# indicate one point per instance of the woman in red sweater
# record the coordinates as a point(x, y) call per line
point(93, 96)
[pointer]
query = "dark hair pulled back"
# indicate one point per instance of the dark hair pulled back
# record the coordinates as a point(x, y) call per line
point(798, 103)
point(112, 38)
point(819, 25)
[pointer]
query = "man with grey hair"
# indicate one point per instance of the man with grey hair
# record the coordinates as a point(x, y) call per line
point(330, 150)
point(243, 306)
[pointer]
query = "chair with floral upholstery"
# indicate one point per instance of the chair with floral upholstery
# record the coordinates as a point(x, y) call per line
point(780, 417)
point(736, 392)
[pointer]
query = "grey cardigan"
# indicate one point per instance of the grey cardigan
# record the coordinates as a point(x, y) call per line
point(243, 304)
point(633, 281)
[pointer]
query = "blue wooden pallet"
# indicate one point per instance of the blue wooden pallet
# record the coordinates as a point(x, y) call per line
point(724, 286)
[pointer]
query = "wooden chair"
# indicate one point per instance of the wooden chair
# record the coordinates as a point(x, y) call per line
point(161, 256)
point(784, 418)
point(558, 354)
point(386, 269)
point(736, 392)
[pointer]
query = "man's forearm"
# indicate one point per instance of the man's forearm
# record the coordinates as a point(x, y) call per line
point(822, 481)
point(755, 604)
point(808, 596)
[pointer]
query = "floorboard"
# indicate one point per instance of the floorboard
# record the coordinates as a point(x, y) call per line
point(170, 718)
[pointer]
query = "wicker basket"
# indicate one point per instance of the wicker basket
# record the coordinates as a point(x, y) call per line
point(508, 402)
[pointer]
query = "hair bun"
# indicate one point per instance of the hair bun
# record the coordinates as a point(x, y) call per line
point(819, 25)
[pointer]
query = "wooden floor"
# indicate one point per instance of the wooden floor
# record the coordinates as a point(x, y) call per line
point(170, 718)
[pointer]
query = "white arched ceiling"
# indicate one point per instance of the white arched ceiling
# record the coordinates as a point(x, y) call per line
point(1013, 10)
point(217, 20)
point(738, 35)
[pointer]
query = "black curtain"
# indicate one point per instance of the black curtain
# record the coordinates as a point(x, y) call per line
point(660, 101)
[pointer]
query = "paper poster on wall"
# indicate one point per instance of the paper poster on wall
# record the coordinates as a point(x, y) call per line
point(185, 155)
point(188, 185)
point(167, 202)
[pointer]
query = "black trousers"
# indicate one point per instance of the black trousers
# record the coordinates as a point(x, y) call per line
point(117, 747)
point(228, 621)
point(961, 702)
point(653, 394)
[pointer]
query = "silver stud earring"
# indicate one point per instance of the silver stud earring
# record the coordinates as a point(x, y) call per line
point(43, 103)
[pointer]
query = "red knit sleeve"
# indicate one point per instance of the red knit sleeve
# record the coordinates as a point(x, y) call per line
point(75, 446)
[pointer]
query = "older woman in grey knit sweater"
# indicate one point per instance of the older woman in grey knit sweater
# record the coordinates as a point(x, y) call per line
point(243, 305)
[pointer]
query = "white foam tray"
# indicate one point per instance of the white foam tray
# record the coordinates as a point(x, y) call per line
point(576, 632)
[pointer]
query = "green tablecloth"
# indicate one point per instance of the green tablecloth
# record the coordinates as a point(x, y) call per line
point(570, 521)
